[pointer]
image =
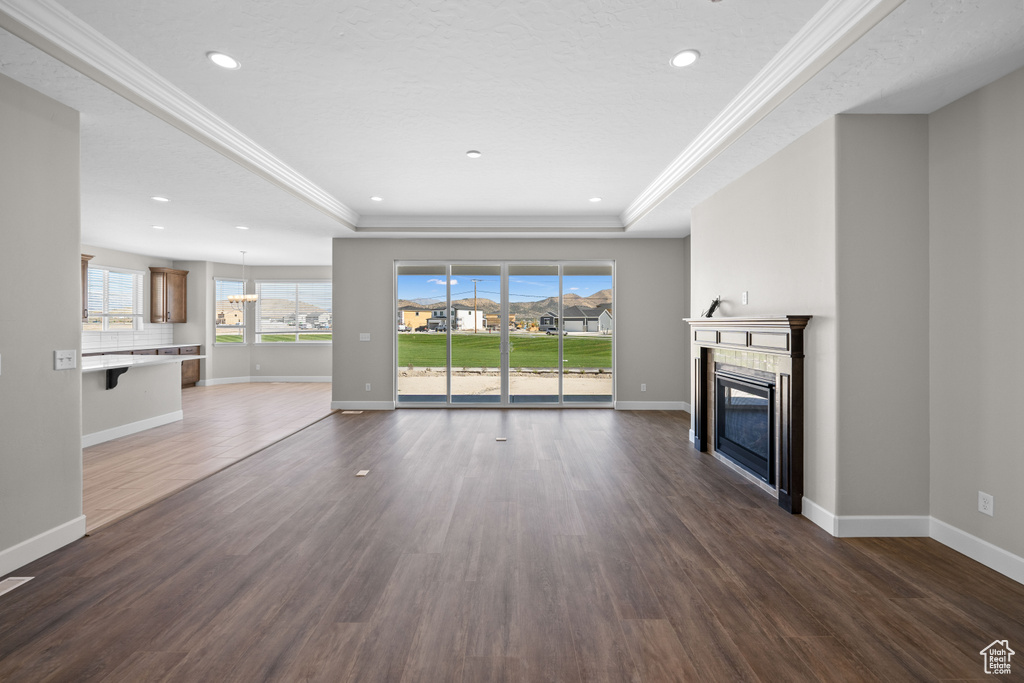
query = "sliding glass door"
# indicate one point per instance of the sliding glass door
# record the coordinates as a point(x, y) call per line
point(475, 345)
point(533, 350)
point(422, 345)
point(504, 333)
point(587, 343)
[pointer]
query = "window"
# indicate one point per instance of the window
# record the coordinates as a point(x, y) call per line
point(115, 300)
point(230, 318)
point(293, 312)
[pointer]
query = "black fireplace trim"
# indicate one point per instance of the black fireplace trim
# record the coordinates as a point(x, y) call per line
point(780, 336)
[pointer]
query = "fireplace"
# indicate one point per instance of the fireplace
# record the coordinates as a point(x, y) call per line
point(748, 400)
point(745, 420)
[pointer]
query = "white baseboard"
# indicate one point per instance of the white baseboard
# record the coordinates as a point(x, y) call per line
point(979, 550)
point(217, 381)
point(866, 526)
point(296, 378)
point(992, 556)
point(819, 515)
point(130, 428)
point(877, 526)
point(45, 543)
point(263, 378)
point(652, 405)
point(363, 405)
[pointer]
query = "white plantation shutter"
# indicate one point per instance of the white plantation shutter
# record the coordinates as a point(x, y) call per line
point(293, 311)
point(114, 299)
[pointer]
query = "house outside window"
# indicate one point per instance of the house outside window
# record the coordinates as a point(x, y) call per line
point(294, 312)
point(229, 318)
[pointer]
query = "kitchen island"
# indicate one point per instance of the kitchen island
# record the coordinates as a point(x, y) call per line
point(144, 392)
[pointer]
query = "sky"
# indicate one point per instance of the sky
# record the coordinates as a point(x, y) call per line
point(521, 287)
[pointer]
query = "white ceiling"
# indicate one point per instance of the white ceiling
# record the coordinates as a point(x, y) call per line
point(566, 100)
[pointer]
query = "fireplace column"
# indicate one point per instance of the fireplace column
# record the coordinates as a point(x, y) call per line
point(763, 345)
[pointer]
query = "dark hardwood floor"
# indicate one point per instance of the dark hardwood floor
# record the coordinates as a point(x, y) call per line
point(591, 546)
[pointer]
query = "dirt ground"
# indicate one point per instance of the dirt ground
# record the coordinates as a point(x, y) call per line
point(428, 382)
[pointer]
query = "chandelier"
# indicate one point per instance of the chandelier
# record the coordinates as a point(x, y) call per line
point(238, 301)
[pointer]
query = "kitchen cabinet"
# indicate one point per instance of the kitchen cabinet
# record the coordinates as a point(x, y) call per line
point(189, 368)
point(168, 293)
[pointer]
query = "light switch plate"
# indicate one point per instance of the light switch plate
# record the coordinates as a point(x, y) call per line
point(364, 336)
point(65, 360)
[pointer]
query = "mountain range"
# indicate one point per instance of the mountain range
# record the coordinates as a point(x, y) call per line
point(523, 310)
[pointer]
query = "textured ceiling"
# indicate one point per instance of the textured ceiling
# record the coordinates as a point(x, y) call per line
point(566, 100)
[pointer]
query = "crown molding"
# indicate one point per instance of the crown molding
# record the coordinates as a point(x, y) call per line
point(836, 26)
point(49, 27)
point(490, 224)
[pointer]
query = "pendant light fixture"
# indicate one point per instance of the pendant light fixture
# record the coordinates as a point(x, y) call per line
point(238, 301)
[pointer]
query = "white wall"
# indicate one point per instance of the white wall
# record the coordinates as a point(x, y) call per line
point(977, 319)
point(41, 420)
point(651, 284)
point(142, 394)
point(882, 315)
point(772, 233)
point(198, 328)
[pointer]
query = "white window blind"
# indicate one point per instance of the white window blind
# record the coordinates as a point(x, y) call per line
point(294, 312)
point(229, 318)
point(114, 299)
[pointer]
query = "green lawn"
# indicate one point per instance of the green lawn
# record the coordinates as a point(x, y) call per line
point(303, 337)
point(481, 350)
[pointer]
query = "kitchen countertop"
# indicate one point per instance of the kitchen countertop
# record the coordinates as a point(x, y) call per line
point(111, 361)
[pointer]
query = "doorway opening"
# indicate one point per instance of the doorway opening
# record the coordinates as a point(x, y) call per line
point(504, 333)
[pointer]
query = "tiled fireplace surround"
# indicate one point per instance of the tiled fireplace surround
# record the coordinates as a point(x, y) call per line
point(769, 345)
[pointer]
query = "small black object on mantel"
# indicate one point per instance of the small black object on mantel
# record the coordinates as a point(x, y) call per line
point(712, 308)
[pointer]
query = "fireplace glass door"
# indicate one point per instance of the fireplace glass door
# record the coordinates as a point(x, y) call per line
point(744, 423)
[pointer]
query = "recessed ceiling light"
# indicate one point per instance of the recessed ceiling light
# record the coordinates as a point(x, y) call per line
point(160, 199)
point(241, 227)
point(222, 60)
point(685, 58)
point(595, 199)
point(158, 227)
point(377, 199)
point(473, 154)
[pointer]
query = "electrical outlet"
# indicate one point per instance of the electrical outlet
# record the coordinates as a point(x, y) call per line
point(367, 386)
point(986, 504)
point(744, 298)
point(257, 366)
point(643, 387)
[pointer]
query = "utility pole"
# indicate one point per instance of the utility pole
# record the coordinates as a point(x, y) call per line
point(474, 304)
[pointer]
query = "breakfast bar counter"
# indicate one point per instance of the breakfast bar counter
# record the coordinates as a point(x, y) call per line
point(123, 394)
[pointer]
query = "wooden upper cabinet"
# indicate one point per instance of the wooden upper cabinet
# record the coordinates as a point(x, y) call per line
point(168, 292)
point(85, 286)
